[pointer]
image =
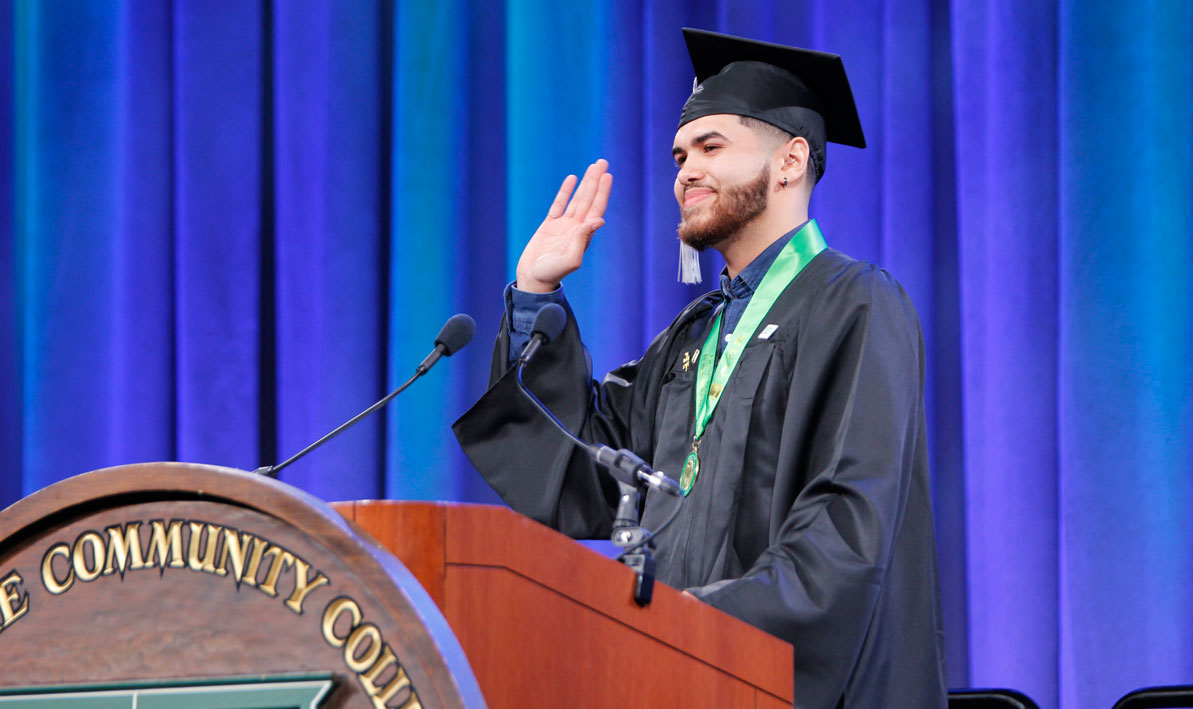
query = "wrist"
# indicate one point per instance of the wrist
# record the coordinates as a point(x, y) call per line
point(528, 284)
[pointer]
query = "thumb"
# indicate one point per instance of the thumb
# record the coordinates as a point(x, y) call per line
point(585, 235)
point(589, 227)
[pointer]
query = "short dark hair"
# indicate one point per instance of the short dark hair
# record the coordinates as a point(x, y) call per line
point(776, 136)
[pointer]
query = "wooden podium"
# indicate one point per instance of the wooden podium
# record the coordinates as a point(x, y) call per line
point(178, 583)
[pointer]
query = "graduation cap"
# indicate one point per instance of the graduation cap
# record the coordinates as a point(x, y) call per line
point(801, 91)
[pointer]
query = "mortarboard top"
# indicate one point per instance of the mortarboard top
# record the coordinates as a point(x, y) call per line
point(802, 91)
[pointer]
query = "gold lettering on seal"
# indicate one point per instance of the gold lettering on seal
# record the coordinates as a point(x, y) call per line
point(11, 592)
point(235, 550)
point(250, 574)
point(124, 550)
point(357, 662)
point(51, 582)
point(371, 662)
point(181, 543)
point(96, 542)
point(281, 558)
point(396, 684)
point(207, 563)
point(301, 586)
point(166, 545)
point(332, 613)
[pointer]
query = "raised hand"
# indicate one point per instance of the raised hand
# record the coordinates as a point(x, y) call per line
point(557, 247)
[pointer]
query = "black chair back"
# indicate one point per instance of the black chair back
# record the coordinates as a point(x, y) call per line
point(989, 699)
point(1173, 697)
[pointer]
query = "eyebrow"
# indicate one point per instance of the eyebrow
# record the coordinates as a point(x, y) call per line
point(698, 141)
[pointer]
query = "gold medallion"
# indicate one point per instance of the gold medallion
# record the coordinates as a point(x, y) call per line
point(691, 468)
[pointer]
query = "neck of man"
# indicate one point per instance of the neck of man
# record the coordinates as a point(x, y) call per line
point(744, 246)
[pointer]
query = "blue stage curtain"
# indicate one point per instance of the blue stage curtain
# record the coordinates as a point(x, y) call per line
point(1006, 200)
point(225, 227)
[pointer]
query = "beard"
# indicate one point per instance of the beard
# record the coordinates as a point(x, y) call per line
point(733, 209)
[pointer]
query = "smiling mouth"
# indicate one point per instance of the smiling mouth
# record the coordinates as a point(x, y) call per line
point(695, 196)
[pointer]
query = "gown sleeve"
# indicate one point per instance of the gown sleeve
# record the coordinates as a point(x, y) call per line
point(535, 468)
point(852, 447)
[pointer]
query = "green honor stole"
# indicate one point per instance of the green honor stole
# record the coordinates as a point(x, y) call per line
point(712, 373)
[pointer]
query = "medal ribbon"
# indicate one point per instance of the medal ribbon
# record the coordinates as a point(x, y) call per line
point(710, 379)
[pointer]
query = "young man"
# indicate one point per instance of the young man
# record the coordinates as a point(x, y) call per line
point(789, 402)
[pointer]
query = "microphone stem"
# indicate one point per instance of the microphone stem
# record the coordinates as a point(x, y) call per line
point(649, 536)
point(273, 470)
point(543, 410)
point(623, 464)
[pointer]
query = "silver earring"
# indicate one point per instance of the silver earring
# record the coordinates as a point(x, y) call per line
point(784, 181)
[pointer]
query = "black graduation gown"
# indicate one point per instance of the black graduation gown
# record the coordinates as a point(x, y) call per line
point(811, 517)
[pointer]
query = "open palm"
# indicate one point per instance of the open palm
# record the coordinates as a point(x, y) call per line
point(557, 247)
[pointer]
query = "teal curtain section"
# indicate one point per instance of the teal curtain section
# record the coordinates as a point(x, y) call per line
point(429, 163)
point(1125, 346)
point(228, 226)
point(571, 78)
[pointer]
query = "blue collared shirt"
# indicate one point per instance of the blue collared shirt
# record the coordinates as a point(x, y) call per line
point(738, 291)
point(521, 307)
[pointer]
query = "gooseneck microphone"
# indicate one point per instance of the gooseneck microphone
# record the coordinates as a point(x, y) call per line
point(548, 325)
point(456, 333)
point(625, 465)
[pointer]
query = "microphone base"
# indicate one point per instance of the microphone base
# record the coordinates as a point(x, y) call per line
point(643, 564)
point(627, 534)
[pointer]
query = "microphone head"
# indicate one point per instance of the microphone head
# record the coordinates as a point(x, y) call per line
point(456, 333)
point(550, 321)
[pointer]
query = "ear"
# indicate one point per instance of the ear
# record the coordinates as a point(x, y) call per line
point(795, 160)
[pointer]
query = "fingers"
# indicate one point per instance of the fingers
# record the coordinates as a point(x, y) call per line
point(587, 191)
point(590, 198)
point(561, 197)
point(601, 200)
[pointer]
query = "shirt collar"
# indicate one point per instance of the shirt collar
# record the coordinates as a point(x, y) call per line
point(747, 280)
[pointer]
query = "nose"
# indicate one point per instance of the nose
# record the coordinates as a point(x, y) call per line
point(689, 173)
